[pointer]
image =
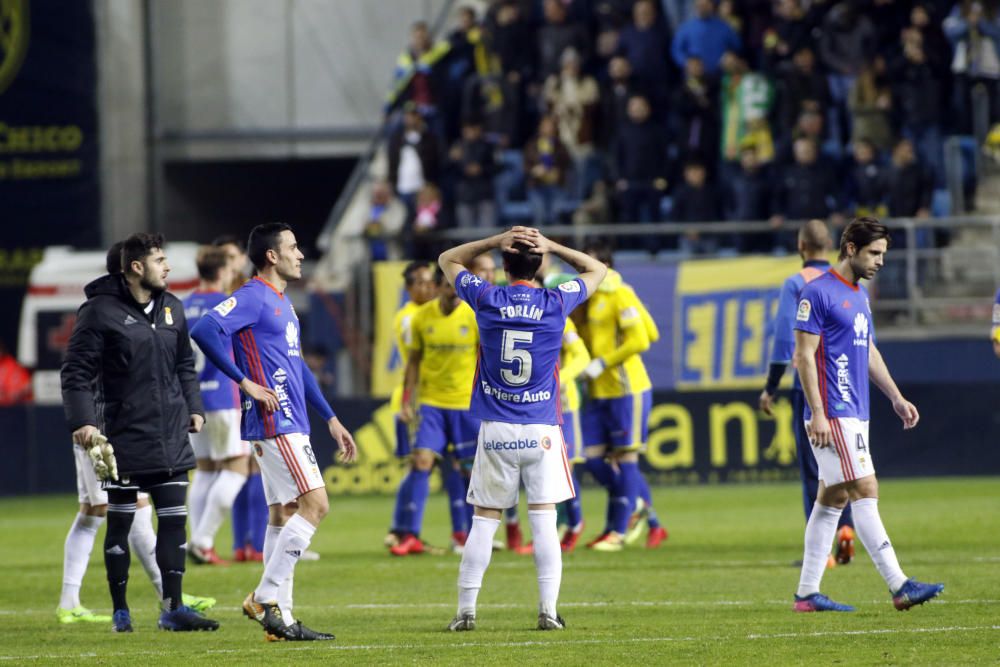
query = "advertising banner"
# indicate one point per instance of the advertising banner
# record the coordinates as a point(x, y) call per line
point(49, 178)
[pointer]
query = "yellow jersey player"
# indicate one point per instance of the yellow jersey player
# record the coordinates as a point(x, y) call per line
point(420, 288)
point(617, 329)
point(440, 372)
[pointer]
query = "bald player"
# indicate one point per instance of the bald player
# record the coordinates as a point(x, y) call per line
point(814, 248)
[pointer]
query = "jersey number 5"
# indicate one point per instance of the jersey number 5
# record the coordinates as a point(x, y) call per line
point(511, 355)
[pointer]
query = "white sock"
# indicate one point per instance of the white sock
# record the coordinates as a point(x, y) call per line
point(475, 559)
point(820, 531)
point(271, 535)
point(548, 558)
point(868, 525)
point(201, 485)
point(285, 598)
point(142, 542)
point(220, 500)
point(294, 539)
point(76, 556)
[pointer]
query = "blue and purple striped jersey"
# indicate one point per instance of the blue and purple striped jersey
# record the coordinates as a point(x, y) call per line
point(520, 330)
point(218, 392)
point(840, 314)
point(265, 333)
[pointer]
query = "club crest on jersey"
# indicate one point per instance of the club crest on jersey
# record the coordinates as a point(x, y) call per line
point(168, 317)
point(805, 309)
point(469, 279)
point(226, 306)
point(463, 331)
point(860, 330)
point(570, 287)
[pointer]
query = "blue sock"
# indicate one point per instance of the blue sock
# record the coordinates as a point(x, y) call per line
point(602, 471)
point(625, 493)
point(402, 516)
point(647, 497)
point(241, 520)
point(574, 508)
point(455, 486)
point(257, 511)
point(420, 489)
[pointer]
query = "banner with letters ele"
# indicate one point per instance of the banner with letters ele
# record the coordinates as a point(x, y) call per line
point(49, 179)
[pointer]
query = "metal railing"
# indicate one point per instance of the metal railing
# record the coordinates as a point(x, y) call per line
point(925, 290)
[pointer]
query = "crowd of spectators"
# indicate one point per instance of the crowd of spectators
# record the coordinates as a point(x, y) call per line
point(550, 111)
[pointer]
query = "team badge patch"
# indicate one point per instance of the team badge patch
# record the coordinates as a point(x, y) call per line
point(167, 315)
point(570, 287)
point(805, 309)
point(258, 450)
point(546, 441)
point(226, 306)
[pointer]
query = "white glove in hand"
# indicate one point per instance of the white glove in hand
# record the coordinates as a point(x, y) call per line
point(102, 455)
point(594, 369)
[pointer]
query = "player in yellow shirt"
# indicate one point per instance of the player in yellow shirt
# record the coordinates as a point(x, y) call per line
point(573, 359)
point(440, 371)
point(420, 288)
point(617, 329)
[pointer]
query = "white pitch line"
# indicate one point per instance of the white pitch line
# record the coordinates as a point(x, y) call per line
point(515, 605)
point(516, 644)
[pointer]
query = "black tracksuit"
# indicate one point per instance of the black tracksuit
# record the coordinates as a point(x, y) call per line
point(146, 386)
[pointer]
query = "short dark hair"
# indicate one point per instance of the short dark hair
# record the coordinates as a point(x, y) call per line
point(113, 260)
point(263, 238)
point(410, 272)
point(439, 275)
point(602, 251)
point(228, 239)
point(210, 261)
point(861, 232)
point(138, 247)
point(523, 264)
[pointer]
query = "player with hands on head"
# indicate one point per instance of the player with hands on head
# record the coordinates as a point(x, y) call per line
point(836, 356)
point(270, 370)
point(516, 397)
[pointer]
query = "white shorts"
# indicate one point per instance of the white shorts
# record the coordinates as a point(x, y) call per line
point(88, 487)
point(507, 454)
point(288, 467)
point(849, 457)
point(219, 438)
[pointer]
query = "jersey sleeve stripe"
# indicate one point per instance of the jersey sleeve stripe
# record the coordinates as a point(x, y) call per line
point(821, 374)
point(287, 453)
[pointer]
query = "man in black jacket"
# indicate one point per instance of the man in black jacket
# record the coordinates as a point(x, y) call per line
point(129, 374)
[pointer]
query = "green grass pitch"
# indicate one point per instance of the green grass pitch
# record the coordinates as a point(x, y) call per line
point(718, 592)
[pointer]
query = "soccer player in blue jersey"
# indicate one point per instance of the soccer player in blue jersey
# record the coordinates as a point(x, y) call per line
point(516, 395)
point(814, 246)
point(276, 385)
point(250, 507)
point(836, 357)
point(222, 456)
